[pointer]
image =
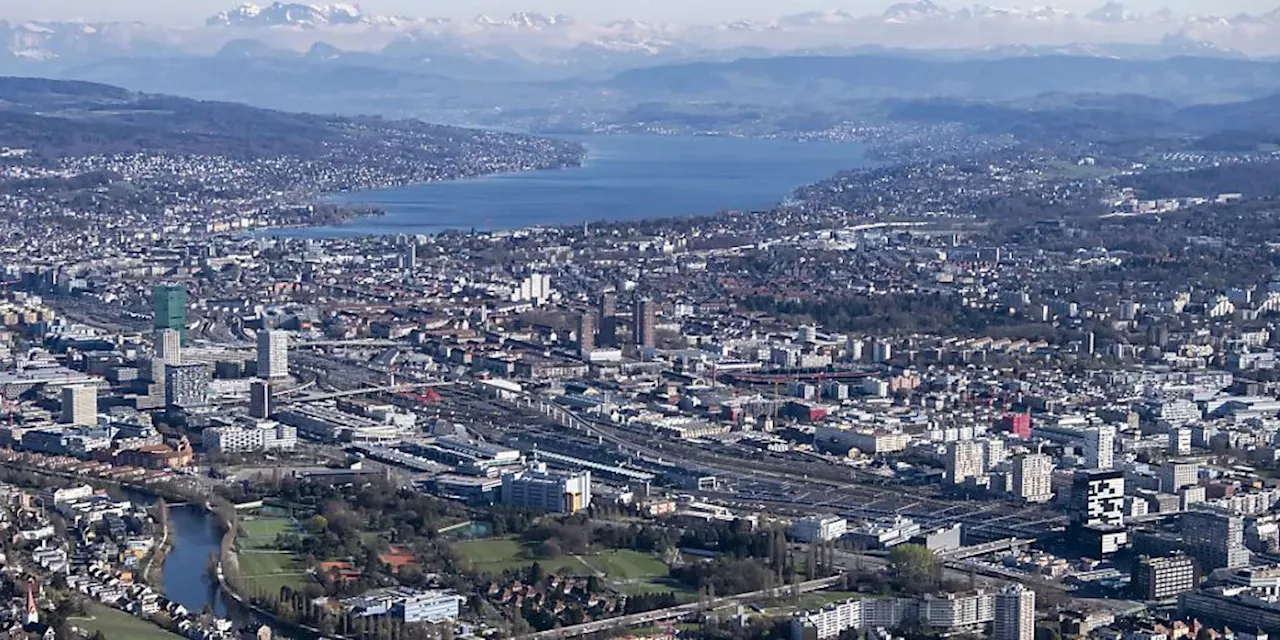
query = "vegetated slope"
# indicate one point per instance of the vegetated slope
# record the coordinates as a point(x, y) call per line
point(57, 118)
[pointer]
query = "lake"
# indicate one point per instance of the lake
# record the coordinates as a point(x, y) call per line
point(626, 177)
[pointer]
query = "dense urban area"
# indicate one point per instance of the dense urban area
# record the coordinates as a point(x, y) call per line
point(1007, 384)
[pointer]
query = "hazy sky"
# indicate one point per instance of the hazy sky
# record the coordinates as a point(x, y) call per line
point(194, 11)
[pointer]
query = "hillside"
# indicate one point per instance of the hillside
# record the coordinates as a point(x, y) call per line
point(57, 118)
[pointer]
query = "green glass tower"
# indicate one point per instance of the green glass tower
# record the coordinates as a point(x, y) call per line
point(169, 307)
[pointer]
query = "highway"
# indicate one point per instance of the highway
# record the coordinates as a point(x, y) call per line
point(681, 611)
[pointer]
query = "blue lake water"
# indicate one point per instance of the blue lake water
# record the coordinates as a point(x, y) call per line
point(628, 177)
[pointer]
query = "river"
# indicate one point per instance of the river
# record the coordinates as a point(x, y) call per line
point(185, 574)
point(625, 177)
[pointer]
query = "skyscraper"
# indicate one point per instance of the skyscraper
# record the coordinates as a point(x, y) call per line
point(1099, 498)
point(187, 385)
point(1099, 447)
point(644, 323)
point(168, 346)
point(80, 405)
point(586, 332)
point(169, 308)
point(1215, 538)
point(1015, 614)
point(966, 461)
point(608, 328)
point(273, 354)
point(409, 261)
point(260, 399)
point(1033, 477)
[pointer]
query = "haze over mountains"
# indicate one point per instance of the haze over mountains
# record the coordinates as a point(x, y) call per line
point(561, 41)
point(541, 72)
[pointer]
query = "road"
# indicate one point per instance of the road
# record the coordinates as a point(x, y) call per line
point(681, 611)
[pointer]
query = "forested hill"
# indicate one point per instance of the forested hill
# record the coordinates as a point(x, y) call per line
point(55, 118)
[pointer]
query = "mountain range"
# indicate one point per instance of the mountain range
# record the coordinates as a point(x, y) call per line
point(565, 45)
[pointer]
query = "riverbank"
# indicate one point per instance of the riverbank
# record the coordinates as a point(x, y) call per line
point(153, 572)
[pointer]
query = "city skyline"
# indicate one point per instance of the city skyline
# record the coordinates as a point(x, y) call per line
point(196, 11)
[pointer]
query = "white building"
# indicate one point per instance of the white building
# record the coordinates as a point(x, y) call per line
point(818, 529)
point(1180, 441)
point(273, 354)
point(168, 346)
point(241, 438)
point(80, 405)
point(957, 610)
point(1015, 614)
point(1099, 447)
point(1176, 474)
point(1033, 477)
point(536, 289)
point(966, 460)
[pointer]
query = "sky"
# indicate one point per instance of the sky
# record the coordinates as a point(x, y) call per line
point(677, 11)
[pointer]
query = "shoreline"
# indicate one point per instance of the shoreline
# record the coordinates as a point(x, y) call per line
point(450, 221)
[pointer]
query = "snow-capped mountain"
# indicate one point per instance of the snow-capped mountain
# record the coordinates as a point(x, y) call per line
point(328, 32)
point(914, 11)
point(282, 14)
point(816, 18)
point(525, 20)
point(1112, 13)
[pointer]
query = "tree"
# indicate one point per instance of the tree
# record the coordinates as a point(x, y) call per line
point(913, 562)
point(317, 524)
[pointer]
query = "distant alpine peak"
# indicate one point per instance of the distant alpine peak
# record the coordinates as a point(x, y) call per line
point(280, 14)
point(526, 20)
point(817, 18)
point(1112, 13)
point(917, 10)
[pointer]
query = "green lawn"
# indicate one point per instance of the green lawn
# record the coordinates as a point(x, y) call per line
point(270, 570)
point(625, 564)
point(628, 572)
point(494, 555)
point(118, 625)
point(261, 533)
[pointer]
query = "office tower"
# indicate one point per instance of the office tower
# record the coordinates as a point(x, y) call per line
point(1099, 447)
point(587, 332)
point(80, 405)
point(535, 288)
point(1215, 538)
point(1180, 441)
point(644, 328)
point(1091, 343)
point(1015, 615)
point(994, 453)
point(187, 385)
point(966, 461)
point(409, 261)
point(806, 334)
point(168, 346)
point(1176, 474)
point(260, 399)
point(1162, 579)
point(273, 354)
point(857, 349)
point(1032, 477)
point(543, 490)
point(169, 308)
point(1098, 498)
point(608, 329)
point(881, 351)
